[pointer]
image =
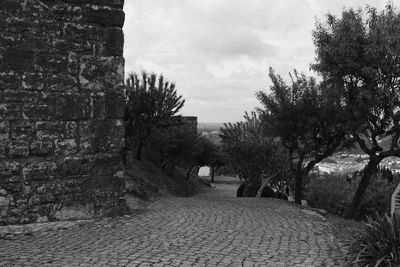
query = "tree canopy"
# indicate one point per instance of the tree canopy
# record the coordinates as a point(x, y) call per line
point(250, 152)
point(151, 102)
point(358, 55)
point(304, 119)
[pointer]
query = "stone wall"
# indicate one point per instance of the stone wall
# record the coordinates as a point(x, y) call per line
point(61, 109)
point(190, 122)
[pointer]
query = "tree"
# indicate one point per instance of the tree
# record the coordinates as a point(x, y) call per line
point(217, 160)
point(202, 154)
point(174, 145)
point(304, 119)
point(250, 152)
point(359, 56)
point(150, 103)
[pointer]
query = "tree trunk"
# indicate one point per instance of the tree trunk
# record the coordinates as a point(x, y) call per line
point(298, 188)
point(368, 172)
point(212, 173)
point(189, 171)
point(298, 195)
point(198, 169)
point(139, 151)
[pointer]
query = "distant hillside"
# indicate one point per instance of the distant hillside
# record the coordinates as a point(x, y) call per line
point(384, 143)
point(209, 126)
point(211, 131)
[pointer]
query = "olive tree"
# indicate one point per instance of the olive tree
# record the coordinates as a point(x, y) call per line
point(304, 119)
point(250, 152)
point(358, 54)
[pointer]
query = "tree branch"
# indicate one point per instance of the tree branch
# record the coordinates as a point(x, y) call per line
point(362, 144)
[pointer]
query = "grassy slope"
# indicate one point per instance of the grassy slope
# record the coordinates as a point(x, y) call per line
point(145, 183)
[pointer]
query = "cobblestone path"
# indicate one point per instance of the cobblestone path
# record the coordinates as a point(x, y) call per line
point(211, 229)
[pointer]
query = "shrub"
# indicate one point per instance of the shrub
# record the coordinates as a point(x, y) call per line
point(239, 192)
point(267, 192)
point(379, 245)
point(329, 192)
point(334, 194)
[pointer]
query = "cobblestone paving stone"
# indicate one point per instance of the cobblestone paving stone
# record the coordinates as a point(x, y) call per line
point(211, 229)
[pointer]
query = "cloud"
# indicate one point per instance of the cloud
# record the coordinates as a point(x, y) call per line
point(218, 51)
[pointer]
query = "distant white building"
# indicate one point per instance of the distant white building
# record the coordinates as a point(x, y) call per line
point(324, 169)
point(204, 171)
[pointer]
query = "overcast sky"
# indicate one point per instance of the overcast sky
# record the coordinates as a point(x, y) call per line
point(218, 51)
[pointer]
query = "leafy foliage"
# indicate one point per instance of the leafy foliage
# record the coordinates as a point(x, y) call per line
point(203, 153)
point(250, 152)
point(380, 244)
point(182, 146)
point(305, 120)
point(151, 103)
point(173, 145)
point(334, 193)
point(358, 55)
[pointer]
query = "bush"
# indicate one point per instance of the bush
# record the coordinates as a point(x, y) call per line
point(268, 192)
point(334, 193)
point(329, 192)
point(251, 188)
point(379, 245)
point(239, 191)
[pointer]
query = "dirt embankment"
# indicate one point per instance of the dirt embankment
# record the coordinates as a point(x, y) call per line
point(145, 183)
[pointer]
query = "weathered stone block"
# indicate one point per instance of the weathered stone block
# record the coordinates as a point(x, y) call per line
point(42, 147)
point(4, 128)
point(51, 63)
point(17, 60)
point(112, 3)
point(108, 105)
point(50, 128)
point(10, 81)
point(3, 192)
point(4, 138)
point(17, 96)
point(114, 104)
point(74, 166)
point(72, 106)
point(42, 170)
point(114, 39)
point(61, 83)
point(40, 199)
point(73, 63)
point(67, 13)
point(9, 171)
point(10, 111)
point(102, 136)
point(101, 73)
point(65, 146)
point(22, 130)
point(108, 164)
point(35, 111)
point(98, 108)
point(83, 46)
point(4, 201)
point(10, 6)
point(34, 44)
point(32, 81)
point(105, 17)
point(71, 130)
point(18, 148)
